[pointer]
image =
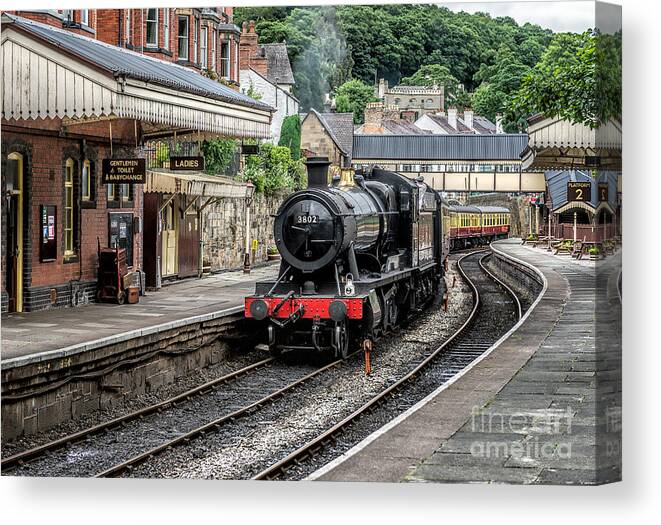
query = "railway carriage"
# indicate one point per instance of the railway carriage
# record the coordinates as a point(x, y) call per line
point(477, 225)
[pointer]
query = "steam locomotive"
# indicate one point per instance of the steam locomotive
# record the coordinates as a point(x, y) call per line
point(358, 256)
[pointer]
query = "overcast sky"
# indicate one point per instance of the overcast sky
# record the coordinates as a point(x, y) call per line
point(558, 16)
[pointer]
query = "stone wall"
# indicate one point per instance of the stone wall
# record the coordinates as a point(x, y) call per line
point(223, 230)
point(314, 137)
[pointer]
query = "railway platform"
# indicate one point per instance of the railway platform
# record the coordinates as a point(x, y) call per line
point(543, 406)
point(46, 333)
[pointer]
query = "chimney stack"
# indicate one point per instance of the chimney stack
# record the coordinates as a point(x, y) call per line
point(317, 171)
point(374, 114)
point(468, 118)
point(327, 103)
point(383, 87)
point(499, 123)
point(249, 54)
point(452, 117)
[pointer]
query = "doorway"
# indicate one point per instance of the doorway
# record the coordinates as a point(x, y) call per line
point(14, 272)
point(169, 239)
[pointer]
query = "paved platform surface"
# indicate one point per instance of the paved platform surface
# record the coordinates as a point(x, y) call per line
point(543, 407)
point(26, 334)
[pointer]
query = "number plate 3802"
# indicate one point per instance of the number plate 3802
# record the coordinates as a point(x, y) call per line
point(307, 219)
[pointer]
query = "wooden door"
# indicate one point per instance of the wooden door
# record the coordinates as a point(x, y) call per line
point(14, 271)
point(169, 240)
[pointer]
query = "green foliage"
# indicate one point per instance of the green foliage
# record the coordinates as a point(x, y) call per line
point(162, 154)
point(218, 154)
point(290, 135)
point(273, 170)
point(432, 75)
point(578, 78)
point(353, 96)
point(330, 45)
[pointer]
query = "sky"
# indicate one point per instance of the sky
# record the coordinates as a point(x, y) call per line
point(558, 16)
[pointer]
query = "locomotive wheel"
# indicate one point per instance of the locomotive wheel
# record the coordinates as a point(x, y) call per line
point(341, 337)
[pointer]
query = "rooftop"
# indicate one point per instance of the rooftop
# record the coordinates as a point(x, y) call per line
point(340, 127)
point(278, 65)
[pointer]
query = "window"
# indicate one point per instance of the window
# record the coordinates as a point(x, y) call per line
point(68, 207)
point(86, 182)
point(85, 16)
point(182, 37)
point(127, 26)
point(166, 28)
point(214, 37)
point(113, 191)
point(67, 14)
point(195, 40)
point(203, 47)
point(152, 27)
point(225, 59)
point(127, 192)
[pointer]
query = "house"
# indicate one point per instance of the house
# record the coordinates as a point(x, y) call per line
point(90, 105)
point(203, 39)
point(440, 123)
point(328, 135)
point(265, 70)
point(412, 101)
point(384, 120)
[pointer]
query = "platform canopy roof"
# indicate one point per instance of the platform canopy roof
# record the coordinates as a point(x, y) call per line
point(54, 73)
point(555, 143)
point(194, 184)
point(402, 149)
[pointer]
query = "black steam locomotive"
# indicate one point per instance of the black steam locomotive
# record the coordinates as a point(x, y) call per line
point(358, 256)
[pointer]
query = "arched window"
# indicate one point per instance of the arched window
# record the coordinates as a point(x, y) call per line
point(69, 167)
point(86, 184)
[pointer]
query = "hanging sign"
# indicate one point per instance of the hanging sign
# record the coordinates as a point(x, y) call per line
point(123, 171)
point(579, 191)
point(187, 163)
point(603, 192)
point(249, 149)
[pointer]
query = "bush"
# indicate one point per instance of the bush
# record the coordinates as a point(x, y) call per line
point(271, 250)
point(290, 135)
point(273, 169)
point(218, 154)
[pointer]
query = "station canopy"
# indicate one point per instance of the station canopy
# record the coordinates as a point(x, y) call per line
point(54, 73)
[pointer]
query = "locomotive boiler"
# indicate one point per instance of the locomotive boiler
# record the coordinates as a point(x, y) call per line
point(358, 255)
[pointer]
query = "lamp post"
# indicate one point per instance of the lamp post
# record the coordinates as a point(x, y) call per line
point(250, 191)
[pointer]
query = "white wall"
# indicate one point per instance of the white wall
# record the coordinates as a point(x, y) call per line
point(424, 122)
point(272, 95)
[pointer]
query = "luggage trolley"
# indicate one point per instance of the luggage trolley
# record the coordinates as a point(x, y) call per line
point(112, 269)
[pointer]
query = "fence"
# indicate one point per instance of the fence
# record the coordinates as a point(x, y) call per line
point(584, 232)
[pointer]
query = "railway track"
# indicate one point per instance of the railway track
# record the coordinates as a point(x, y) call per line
point(457, 352)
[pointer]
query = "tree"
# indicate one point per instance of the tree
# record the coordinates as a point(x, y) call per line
point(273, 170)
point(218, 154)
point(290, 135)
point(578, 79)
point(352, 97)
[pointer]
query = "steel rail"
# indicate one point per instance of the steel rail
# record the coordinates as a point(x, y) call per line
point(314, 445)
point(501, 283)
point(213, 426)
point(36, 452)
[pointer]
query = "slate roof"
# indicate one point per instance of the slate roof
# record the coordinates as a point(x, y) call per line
point(483, 125)
point(442, 120)
point(392, 127)
point(340, 127)
point(556, 182)
point(505, 146)
point(277, 64)
point(120, 62)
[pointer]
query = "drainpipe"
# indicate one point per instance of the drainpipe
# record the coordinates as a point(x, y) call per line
point(250, 190)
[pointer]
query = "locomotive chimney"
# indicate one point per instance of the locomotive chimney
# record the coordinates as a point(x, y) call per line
point(317, 172)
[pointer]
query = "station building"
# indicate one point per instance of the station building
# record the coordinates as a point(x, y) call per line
point(70, 102)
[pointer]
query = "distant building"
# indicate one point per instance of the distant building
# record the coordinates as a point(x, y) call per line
point(412, 101)
point(441, 123)
point(328, 135)
point(384, 120)
point(266, 70)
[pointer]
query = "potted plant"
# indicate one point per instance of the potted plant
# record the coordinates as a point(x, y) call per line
point(593, 252)
point(272, 253)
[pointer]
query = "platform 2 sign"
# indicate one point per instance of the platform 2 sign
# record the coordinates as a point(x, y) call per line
point(579, 191)
point(123, 171)
point(187, 163)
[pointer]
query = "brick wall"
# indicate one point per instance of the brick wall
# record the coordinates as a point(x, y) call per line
point(45, 156)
